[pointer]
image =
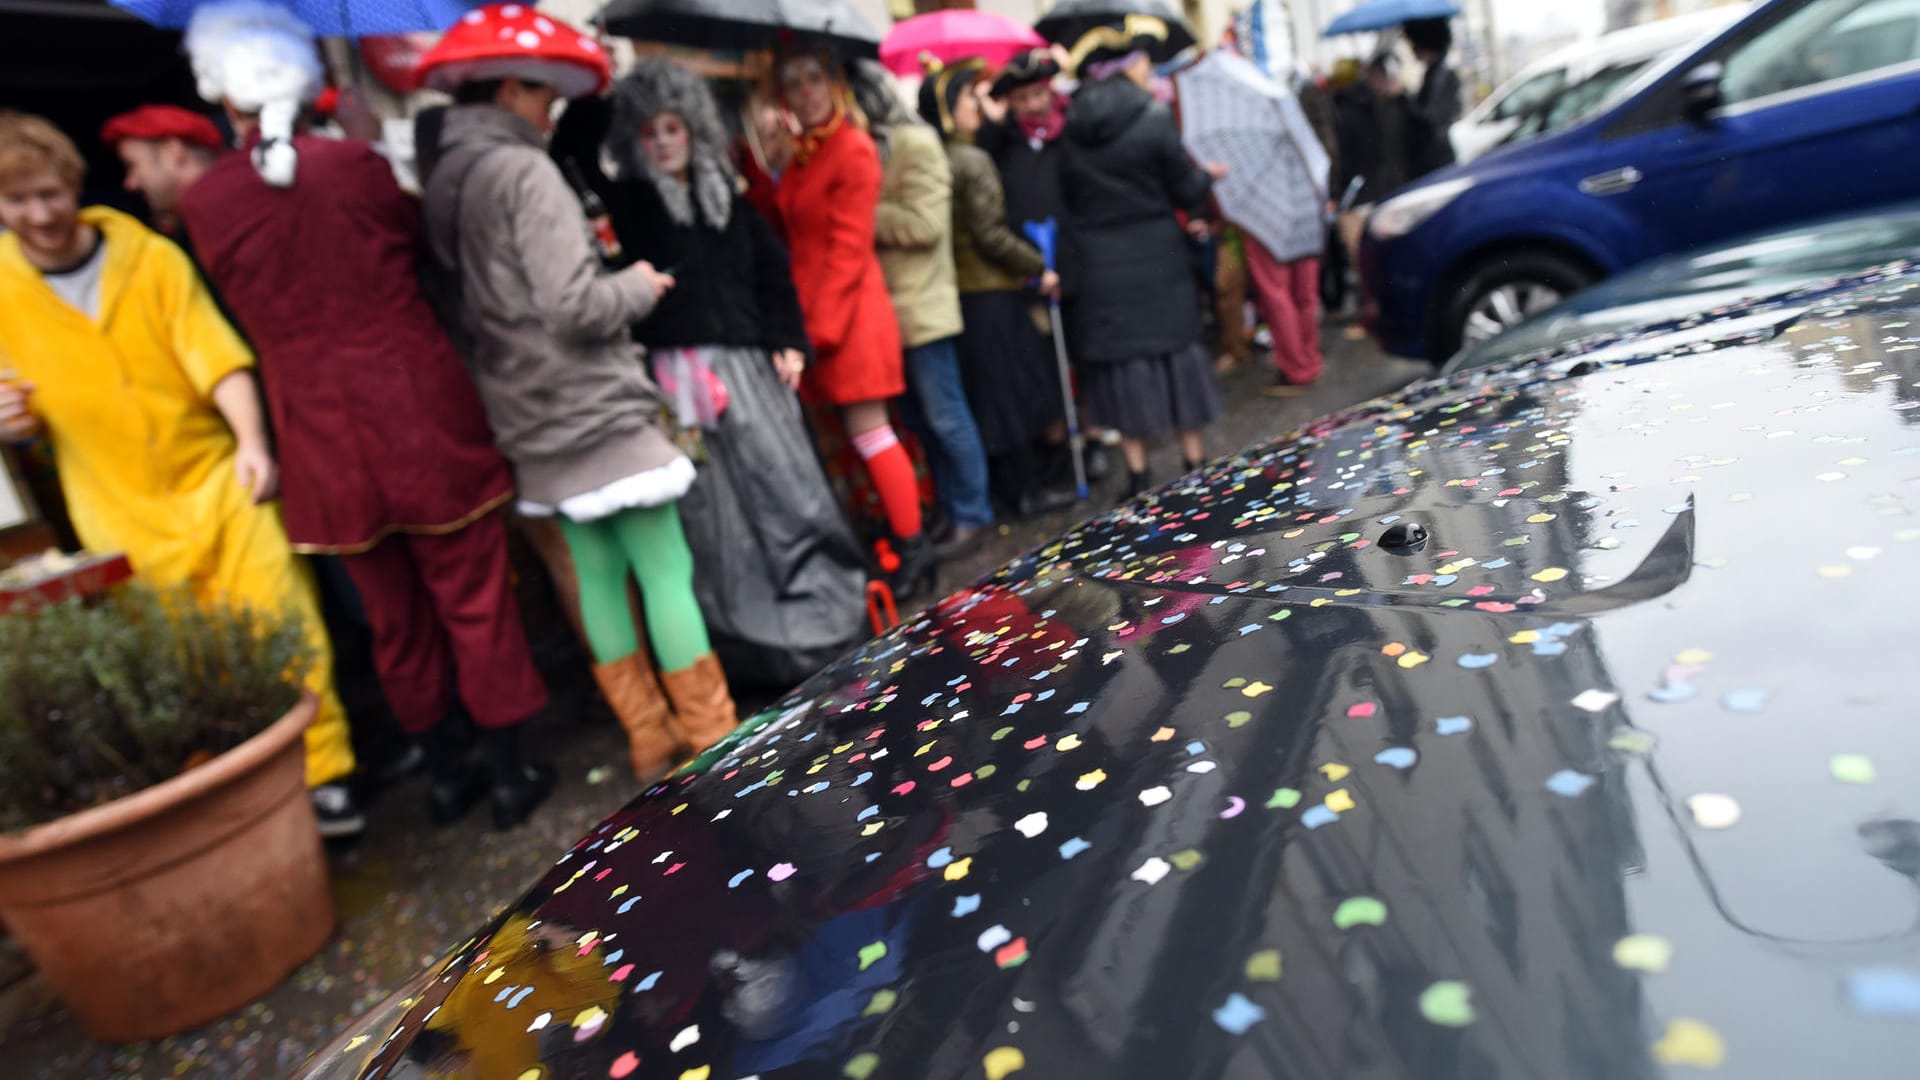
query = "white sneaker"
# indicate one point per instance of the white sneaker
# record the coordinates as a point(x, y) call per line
point(337, 812)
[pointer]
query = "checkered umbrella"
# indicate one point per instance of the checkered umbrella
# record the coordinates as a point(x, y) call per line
point(1276, 184)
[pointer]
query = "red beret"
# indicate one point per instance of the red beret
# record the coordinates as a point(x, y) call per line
point(157, 122)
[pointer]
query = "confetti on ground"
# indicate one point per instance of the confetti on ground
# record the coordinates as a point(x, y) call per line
point(1884, 991)
point(1711, 811)
point(872, 954)
point(1595, 700)
point(1003, 1061)
point(1852, 769)
point(1643, 952)
point(1359, 911)
point(1285, 798)
point(1238, 1014)
point(1264, 966)
point(1447, 1003)
point(1690, 1042)
point(1151, 871)
point(1398, 757)
point(1569, 783)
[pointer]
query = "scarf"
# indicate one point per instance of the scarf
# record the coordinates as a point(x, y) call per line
point(809, 141)
point(708, 180)
point(1042, 130)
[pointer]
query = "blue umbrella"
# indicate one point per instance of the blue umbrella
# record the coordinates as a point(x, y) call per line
point(1380, 14)
point(329, 18)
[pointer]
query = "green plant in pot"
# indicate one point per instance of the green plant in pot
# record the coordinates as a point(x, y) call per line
point(159, 860)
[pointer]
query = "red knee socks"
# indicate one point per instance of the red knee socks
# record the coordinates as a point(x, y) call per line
point(892, 473)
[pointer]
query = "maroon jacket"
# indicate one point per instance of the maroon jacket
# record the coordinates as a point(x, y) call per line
point(379, 425)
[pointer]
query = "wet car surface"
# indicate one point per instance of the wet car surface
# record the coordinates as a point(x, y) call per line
point(1528, 724)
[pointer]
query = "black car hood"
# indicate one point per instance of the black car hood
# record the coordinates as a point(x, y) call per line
point(1615, 777)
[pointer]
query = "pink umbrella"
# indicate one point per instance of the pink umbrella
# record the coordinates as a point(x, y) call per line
point(947, 36)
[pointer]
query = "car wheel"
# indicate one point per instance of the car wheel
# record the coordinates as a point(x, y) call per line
point(1503, 293)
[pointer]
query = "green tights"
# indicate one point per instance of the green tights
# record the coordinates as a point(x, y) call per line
point(648, 542)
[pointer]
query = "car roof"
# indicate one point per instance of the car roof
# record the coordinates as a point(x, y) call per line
point(1615, 775)
point(1584, 58)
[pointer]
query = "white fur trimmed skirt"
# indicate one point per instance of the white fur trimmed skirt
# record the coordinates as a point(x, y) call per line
point(655, 487)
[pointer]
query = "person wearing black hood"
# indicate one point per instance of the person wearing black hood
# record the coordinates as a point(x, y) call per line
point(1025, 146)
point(1438, 102)
point(1009, 377)
point(1123, 177)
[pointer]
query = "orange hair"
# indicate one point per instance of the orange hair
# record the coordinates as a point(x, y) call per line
point(29, 144)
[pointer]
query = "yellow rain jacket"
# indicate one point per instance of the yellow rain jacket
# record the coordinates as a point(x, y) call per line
point(145, 459)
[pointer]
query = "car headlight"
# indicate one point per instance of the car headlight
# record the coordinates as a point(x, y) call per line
point(1402, 214)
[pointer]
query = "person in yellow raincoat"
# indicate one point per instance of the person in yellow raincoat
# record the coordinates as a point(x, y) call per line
point(112, 346)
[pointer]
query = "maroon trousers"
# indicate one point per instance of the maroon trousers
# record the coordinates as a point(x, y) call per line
point(1288, 295)
point(442, 610)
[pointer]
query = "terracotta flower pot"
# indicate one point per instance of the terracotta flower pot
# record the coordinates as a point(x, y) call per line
point(176, 905)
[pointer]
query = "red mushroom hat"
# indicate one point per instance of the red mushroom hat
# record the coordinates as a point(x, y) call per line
point(515, 41)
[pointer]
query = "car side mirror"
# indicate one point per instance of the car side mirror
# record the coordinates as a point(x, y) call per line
point(1700, 93)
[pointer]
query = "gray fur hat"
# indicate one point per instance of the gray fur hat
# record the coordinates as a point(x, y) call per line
point(657, 85)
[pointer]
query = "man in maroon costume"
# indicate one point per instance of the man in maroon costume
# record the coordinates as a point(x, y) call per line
point(386, 456)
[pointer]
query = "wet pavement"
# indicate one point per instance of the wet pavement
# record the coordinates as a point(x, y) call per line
point(407, 893)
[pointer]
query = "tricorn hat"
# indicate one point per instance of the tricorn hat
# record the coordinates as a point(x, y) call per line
point(1032, 66)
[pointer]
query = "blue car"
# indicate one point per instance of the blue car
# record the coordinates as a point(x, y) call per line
point(1804, 108)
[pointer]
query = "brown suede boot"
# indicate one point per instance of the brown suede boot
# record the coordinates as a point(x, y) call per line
point(630, 688)
point(702, 705)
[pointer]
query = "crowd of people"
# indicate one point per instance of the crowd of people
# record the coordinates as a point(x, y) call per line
point(594, 335)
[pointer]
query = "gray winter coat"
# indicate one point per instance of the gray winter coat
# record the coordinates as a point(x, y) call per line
point(566, 393)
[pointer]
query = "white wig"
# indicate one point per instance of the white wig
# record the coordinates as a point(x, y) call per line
point(264, 60)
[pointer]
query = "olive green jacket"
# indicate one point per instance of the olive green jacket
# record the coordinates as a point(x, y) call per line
point(988, 255)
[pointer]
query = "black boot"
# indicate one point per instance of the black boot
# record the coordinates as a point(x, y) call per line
point(1039, 501)
point(518, 786)
point(917, 564)
point(1193, 466)
point(456, 781)
point(1138, 483)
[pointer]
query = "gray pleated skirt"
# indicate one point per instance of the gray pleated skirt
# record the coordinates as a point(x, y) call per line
point(1151, 395)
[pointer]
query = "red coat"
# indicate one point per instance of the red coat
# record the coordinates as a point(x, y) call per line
point(828, 207)
point(379, 426)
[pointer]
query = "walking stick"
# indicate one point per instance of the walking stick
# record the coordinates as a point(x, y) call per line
point(1044, 234)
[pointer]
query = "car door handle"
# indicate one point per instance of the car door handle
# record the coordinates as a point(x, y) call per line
point(1617, 182)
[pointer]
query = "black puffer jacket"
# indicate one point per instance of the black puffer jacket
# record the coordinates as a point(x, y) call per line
point(1029, 176)
point(1124, 175)
point(732, 286)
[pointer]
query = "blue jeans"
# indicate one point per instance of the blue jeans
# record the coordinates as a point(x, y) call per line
point(936, 409)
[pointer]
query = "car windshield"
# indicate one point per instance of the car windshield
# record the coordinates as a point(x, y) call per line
point(1528, 96)
point(1577, 102)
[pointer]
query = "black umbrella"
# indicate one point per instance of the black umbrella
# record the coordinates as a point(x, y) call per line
point(1068, 20)
point(742, 25)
